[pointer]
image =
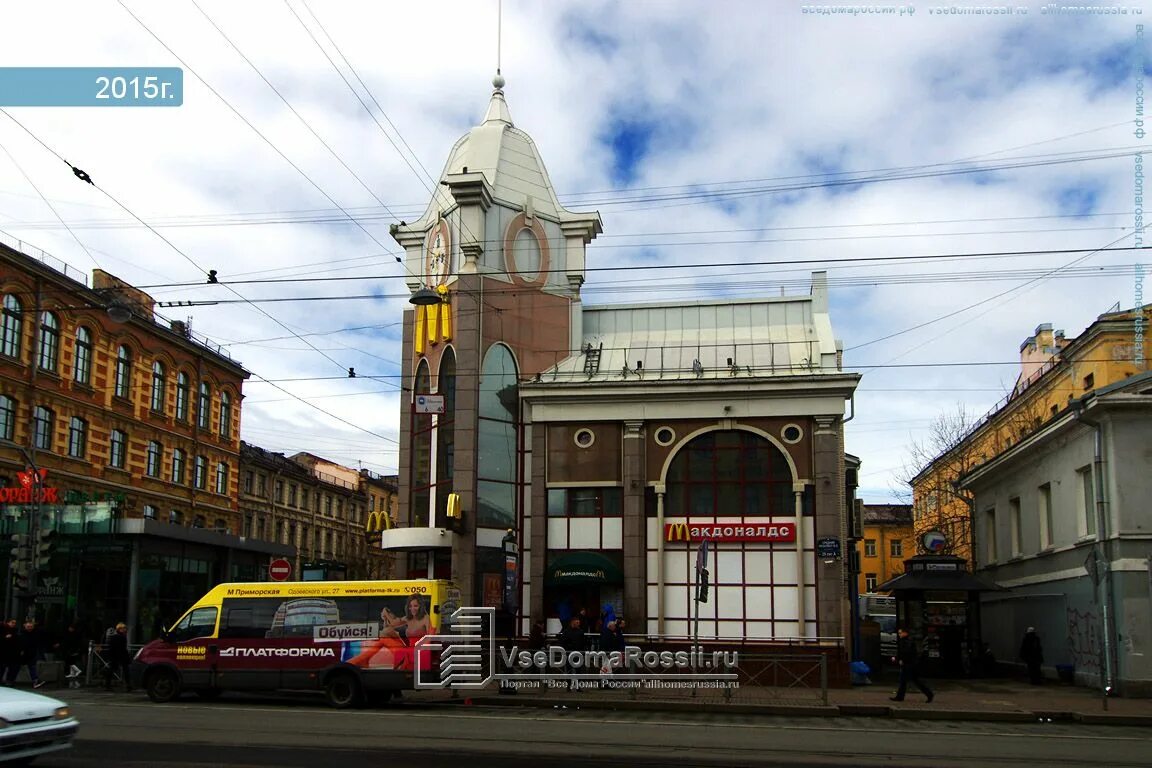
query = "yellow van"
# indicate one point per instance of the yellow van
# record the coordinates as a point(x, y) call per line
point(352, 640)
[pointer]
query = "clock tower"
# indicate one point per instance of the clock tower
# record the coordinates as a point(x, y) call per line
point(507, 262)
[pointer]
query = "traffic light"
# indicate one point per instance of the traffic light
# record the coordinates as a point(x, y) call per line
point(21, 549)
point(702, 591)
point(42, 550)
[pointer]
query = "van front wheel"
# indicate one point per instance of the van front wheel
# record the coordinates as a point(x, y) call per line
point(162, 685)
point(342, 690)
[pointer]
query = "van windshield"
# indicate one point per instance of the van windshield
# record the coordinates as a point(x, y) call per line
point(200, 622)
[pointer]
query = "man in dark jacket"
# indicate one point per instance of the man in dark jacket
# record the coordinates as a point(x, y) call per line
point(1032, 654)
point(571, 639)
point(908, 656)
point(30, 643)
point(9, 652)
point(117, 657)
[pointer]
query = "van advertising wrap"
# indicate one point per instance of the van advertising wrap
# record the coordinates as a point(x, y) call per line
point(375, 632)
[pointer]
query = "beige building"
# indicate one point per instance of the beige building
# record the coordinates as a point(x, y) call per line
point(321, 509)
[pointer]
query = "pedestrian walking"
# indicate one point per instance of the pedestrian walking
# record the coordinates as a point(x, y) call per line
point(1032, 654)
point(908, 657)
point(9, 652)
point(71, 647)
point(117, 657)
point(29, 644)
point(572, 640)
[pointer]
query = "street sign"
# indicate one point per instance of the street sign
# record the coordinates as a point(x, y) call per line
point(279, 570)
point(702, 556)
point(428, 404)
point(828, 548)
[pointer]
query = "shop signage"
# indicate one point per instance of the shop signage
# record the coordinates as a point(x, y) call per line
point(771, 532)
point(933, 541)
point(50, 587)
point(36, 491)
point(30, 490)
point(828, 548)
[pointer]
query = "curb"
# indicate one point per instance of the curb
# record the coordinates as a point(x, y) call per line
point(815, 710)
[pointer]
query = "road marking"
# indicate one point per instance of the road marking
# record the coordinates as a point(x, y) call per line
point(1040, 733)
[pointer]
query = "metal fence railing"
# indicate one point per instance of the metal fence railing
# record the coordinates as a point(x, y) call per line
point(96, 664)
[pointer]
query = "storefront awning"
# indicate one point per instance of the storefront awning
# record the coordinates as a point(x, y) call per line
point(582, 568)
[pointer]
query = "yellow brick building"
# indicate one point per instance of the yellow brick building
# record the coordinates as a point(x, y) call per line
point(1054, 370)
point(887, 540)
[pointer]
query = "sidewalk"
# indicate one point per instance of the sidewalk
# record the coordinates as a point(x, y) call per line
point(996, 700)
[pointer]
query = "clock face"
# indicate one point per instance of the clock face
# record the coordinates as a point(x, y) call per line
point(437, 255)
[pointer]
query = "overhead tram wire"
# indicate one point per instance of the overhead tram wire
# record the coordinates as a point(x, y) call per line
point(430, 187)
point(256, 130)
point(275, 385)
point(50, 206)
point(86, 178)
point(740, 264)
point(300, 117)
point(968, 159)
point(239, 297)
point(372, 96)
point(1027, 285)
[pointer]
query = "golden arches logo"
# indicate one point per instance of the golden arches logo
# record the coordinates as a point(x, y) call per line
point(433, 322)
point(677, 532)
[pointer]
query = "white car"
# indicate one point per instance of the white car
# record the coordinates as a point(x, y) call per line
point(32, 725)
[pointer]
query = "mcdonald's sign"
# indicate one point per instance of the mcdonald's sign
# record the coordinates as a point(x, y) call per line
point(433, 322)
point(769, 531)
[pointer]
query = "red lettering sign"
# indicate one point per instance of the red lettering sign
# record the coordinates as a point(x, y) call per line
point(746, 531)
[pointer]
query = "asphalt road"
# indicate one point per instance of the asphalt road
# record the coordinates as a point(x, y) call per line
point(128, 731)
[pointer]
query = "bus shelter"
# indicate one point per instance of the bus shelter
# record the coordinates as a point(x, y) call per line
point(938, 602)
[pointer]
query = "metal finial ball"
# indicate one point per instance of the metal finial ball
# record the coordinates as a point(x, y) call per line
point(498, 81)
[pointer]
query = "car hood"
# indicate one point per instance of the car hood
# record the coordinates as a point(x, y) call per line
point(22, 705)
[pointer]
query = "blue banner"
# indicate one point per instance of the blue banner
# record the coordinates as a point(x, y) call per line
point(91, 87)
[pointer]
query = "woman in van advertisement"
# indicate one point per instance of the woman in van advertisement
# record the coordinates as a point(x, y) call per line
point(393, 649)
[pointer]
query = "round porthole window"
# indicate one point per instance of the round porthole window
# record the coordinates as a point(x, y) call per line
point(665, 436)
point(584, 438)
point(792, 433)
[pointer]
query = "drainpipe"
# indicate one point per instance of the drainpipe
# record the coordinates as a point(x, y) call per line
point(1101, 549)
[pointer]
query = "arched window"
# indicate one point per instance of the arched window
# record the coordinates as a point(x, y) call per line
point(77, 438)
point(159, 386)
point(82, 362)
point(182, 396)
point(49, 342)
point(42, 428)
point(7, 418)
point(204, 407)
point(222, 478)
point(200, 472)
point(446, 433)
point(123, 384)
point(13, 327)
point(729, 473)
point(497, 436)
point(421, 451)
point(225, 415)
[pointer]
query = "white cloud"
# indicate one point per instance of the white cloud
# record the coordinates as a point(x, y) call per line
point(725, 91)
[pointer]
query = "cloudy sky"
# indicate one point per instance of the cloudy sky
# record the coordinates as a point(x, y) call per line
point(955, 174)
